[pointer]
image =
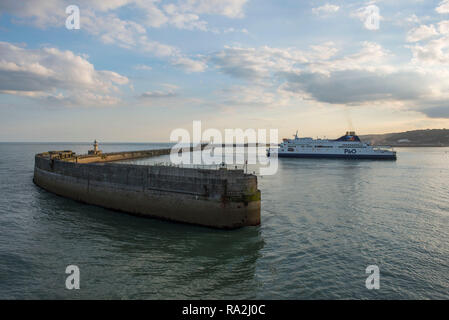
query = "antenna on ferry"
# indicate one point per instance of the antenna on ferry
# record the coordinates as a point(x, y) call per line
point(296, 135)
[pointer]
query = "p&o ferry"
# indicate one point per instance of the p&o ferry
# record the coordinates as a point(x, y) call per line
point(348, 146)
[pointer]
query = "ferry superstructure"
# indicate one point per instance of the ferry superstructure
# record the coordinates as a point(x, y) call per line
point(348, 146)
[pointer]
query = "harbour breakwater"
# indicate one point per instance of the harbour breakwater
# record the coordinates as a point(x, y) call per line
point(218, 198)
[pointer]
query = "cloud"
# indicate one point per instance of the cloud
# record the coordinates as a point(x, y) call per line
point(58, 76)
point(434, 52)
point(153, 16)
point(413, 19)
point(184, 20)
point(158, 94)
point(371, 57)
point(231, 30)
point(253, 64)
point(443, 7)
point(111, 29)
point(325, 9)
point(100, 19)
point(227, 8)
point(421, 33)
point(102, 5)
point(96, 19)
point(365, 78)
point(131, 35)
point(142, 67)
point(437, 112)
point(252, 95)
point(185, 14)
point(189, 65)
point(369, 15)
point(42, 14)
point(443, 27)
point(267, 62)
point(169, 91)
point(354, 87)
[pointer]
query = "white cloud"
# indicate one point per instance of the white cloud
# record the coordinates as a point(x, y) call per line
point(443, 27)
point(434, 52)
point(42, 14)
point(153, 16)
point(185, 14)
point(131, 35)
point(252, 63)
point(98, 19)
point(57, 76)
point(443, 7)
point(189, 65)
point(323, 51)
point(369, 15)
point(227, 8)
point(413, 19)
point(421, 33)
point(371, 57)
point(266, 62)
point(154, 47)
point(111, 29)
point(184, 20)
point(325, 9)
point(104, 6)
point(232, 30)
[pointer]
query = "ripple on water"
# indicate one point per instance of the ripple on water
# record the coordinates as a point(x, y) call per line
point(323, 223)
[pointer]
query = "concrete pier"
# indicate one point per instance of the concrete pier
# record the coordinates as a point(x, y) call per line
point(218, 198)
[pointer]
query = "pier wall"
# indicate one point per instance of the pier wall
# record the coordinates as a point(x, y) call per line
point(215, 198)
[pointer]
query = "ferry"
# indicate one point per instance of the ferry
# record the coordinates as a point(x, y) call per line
point(348, 146)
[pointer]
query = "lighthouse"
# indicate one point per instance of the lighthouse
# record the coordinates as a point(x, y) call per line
point(95, 149)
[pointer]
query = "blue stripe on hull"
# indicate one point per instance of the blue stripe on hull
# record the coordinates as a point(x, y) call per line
point(336, 156)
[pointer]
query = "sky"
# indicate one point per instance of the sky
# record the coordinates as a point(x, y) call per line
point(136, 70)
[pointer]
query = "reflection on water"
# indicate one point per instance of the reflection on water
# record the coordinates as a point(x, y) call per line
point(323, 223)
point(161, 259)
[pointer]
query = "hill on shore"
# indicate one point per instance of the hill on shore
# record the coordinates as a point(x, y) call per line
point(415, 138)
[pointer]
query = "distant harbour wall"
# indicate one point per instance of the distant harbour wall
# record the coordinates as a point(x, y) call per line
point(215, 198)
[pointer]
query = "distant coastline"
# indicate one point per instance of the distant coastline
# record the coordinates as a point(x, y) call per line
point(414, 138)
point(414, 145)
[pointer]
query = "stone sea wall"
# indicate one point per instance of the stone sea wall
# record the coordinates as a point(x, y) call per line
point(216, 198)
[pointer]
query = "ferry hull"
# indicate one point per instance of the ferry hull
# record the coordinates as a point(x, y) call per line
point(338, 156)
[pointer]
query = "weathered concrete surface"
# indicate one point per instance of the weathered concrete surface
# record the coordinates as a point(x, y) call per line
point(214, 198)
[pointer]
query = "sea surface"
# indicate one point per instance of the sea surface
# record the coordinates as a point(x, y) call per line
point(323, 223)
